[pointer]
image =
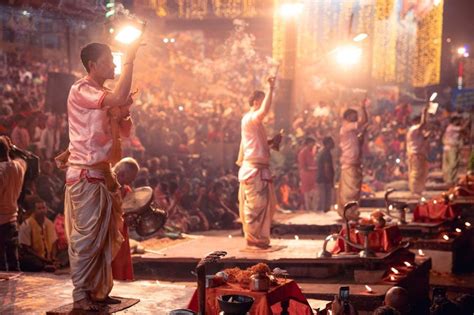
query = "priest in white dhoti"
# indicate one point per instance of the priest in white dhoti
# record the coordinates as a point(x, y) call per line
point(257, 199)
point(417, 154)
point(351, 137)
point(98, 118)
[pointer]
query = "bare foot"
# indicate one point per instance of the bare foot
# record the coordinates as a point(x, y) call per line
point(86, 305)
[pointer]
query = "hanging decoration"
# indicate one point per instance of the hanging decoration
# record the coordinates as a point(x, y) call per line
point(428, 47)
point(404, 43)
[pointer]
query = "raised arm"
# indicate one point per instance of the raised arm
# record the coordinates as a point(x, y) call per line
point(365, 117)
point(121, 92)
point(267, 102)
point(424, 115)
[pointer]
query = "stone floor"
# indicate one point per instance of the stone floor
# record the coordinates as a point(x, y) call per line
point(37, 293)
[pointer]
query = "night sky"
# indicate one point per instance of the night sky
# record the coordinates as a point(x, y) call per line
point(459, 21)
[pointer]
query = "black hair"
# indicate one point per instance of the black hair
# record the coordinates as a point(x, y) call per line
point(309, 140)
point(327, 141)
point(349, 112)
point(255, 96)
point(4, 149)
point(92, 52)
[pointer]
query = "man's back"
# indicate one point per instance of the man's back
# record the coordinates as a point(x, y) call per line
point(11, 181)
point(254, 139)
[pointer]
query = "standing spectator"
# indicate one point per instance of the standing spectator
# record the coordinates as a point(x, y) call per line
point(12, 173)
point(417, 148)
point(307, 170)
point(20, 135)
point(325, 176)
point(50, 138)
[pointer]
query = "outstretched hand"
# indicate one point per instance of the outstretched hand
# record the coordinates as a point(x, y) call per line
point(271, 82)
point(133, 47)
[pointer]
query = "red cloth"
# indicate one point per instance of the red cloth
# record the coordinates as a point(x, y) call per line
point(266, 303)
point(434, 212)
point(122, 267)
point(380, 240)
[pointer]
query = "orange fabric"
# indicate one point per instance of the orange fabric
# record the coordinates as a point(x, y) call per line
point(266, 303)
point(122, 268)
point(380, 240)
point(285, 193)
point(431, 212)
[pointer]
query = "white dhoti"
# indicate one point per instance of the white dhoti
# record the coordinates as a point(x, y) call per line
point(91, 213)
point(417, 172)
point(257, 203)
point(451, 163)
point(349, 189)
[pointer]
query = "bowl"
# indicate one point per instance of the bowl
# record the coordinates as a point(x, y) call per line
point(235, 304)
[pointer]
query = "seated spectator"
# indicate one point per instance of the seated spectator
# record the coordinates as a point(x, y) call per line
point(386, 310)
point(445, 307)
point(466, 303)
point(398, 298)
point(38, 240)
point(337, 307)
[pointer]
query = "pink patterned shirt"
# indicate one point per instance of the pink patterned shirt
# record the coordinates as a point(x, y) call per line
point(90, 133)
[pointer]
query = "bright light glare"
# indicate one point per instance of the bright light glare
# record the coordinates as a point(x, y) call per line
point(433, 96)
point(117, 58)
point(437, 2)
point(348, 55)
point(462, 50)
point(128, 34)
point(288, 10)
point(466, 55)
point(360, 37)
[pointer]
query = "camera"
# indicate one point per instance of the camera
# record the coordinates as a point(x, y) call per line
point(32, 161)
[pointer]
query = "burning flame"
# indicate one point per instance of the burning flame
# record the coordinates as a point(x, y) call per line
point(446, 238)
point(395, 271)
point(435, 202)
point(297, 237)
point(392, 278)
point(128, 34)
point(423, 199)
point(421, 253)
point(336, 207)
point(458, 230)
point(451, 196)
point(369, 289)
point(467, 224)
point(230, 236)
point(408, 264)
point(390, 207)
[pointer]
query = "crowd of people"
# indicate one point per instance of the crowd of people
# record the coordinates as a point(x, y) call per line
point(397, 302)
point(179, 131)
